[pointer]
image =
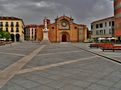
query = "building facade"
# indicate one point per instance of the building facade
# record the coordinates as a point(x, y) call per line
point(39, 33)
point(62, 30)
point(103, 28)
point(30, 32)
point(65, 30)
point(117, 14)
point(13, 25)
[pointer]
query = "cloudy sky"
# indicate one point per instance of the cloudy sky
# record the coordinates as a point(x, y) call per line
point(33, 11)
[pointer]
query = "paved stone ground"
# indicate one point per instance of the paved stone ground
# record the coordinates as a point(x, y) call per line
point(58, 67)
point(109, 53)
point(11, 53)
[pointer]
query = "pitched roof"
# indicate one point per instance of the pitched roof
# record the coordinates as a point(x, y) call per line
point(9, 18)
point(31, 26)
point(103, 19)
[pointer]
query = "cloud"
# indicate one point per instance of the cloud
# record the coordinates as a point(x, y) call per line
point(33, 11)
point(44, 4)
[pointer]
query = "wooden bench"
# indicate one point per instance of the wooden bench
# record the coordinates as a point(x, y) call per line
point(116, 48)
point(97, 45)
point(110, 47)
point(94, 45)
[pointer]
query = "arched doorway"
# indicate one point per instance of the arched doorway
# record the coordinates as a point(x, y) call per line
point(64, 38)
point(12, 37)
point(17, 37)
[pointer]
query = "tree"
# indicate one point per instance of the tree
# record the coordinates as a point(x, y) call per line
point(5, 35)
point(1, 34)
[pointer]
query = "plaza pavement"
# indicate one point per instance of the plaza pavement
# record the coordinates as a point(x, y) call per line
point(60, 66)
point(107, 53)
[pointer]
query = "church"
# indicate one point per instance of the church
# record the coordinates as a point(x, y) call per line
point(62, 30)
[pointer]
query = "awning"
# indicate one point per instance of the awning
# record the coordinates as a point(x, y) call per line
point(112, 38)
point(101, 38)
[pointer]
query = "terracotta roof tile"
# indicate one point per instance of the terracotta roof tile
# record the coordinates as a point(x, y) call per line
point(31, 26)
point(9, 18)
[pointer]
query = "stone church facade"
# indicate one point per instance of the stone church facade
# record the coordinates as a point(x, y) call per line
point(65, 30)
point(62, 30)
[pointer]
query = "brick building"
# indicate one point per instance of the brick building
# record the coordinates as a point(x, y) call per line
point(33, 32)
point(39, 33)
point(117, 14)
point(62, 30)
point(65, 30)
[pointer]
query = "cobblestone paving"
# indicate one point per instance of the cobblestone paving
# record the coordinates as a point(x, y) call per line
point(66, 68)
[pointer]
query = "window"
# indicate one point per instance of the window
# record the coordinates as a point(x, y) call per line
point(109, 23)
point(12, 30)
point(64, 24)
point(1, 29)
point(112, 23)
point(104, 31)
point(28, 32)
point(91, 26)
point(101, 25)
point(97, 26)
point(1, 24)
point(105, 24)
point(75, 27)
point(32, 33)
point(17, 29)
point(35, 33)
point(110, 31)
point(6, 24)
point(17, 24)
point(101, 32)
point(97, 32)
point(12, 24)
point(6, 29)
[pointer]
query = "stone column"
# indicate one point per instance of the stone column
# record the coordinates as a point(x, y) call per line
point(14, 37)
point(45, 30)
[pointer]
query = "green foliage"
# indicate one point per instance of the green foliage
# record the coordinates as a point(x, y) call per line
point(1, 34)
point(5, 35)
